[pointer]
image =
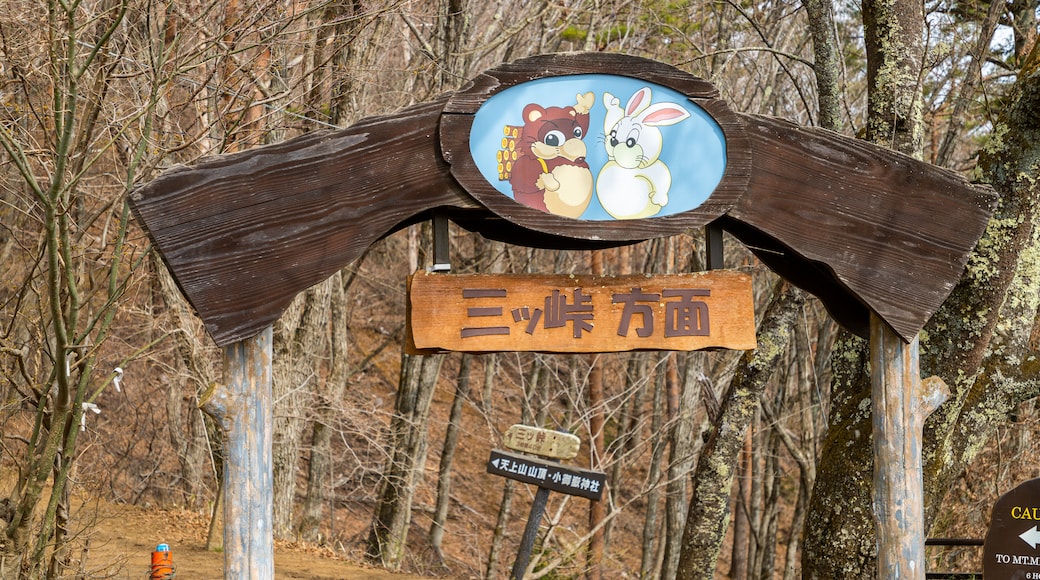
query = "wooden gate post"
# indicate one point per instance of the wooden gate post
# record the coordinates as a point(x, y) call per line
point(243, 410)
point(901, 402)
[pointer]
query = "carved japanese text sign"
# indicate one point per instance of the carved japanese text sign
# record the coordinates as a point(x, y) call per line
point(548, 474)
point(560, 313)
point(543, 442)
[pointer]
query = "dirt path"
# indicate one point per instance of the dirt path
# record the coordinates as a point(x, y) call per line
point(122, 542)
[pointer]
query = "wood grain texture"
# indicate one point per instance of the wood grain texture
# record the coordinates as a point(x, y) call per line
point(244, 410)
point(242, 234)
point(489, 313)
point(900, 403)
point(862, 227)
point(543, 442)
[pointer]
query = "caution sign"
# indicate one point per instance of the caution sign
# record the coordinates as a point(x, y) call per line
point(1012, 548)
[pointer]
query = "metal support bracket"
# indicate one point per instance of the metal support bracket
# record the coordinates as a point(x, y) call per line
point(713, 246)
point(441, 246)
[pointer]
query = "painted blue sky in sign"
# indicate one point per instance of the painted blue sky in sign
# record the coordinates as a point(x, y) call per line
point(667, 154)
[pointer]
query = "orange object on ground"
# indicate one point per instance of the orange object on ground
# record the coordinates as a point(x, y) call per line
point(162, 564)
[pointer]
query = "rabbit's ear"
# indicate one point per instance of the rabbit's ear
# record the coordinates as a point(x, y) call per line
point(614, 111)
point(639, 101)
point(663, 114)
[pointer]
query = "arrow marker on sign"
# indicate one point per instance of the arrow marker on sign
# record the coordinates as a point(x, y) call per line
point(1031, 537)
point(495, 463)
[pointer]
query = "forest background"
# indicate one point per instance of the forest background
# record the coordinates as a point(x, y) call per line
point(378, 454)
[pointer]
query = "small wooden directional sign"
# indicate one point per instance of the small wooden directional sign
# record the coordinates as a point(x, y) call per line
point(543, 442)
point(547, 474)
point(1012, 548)
point(581, 313)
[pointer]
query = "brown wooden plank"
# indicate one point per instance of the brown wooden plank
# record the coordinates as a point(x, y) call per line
point(488, 313)
point(243, 234)
point(543, 442)
point(862, 227)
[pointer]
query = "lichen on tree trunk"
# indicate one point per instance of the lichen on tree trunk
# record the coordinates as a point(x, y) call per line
point(708, 515)
point(978, 341)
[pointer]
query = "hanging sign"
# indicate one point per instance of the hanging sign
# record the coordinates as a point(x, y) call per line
point(598, 147)
point(581, 314)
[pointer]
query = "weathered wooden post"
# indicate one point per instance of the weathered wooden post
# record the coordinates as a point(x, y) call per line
point(901, 402)
point(534, 520)
point(242, 408)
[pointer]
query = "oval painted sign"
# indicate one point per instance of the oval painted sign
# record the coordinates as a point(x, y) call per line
point(598, 147)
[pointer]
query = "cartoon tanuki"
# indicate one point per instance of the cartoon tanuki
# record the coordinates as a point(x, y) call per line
point(634, 182)
point(548, 168)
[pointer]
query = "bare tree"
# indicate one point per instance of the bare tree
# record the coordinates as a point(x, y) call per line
point(67, 233)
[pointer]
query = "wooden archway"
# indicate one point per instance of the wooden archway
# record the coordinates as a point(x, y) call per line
point(874, 234)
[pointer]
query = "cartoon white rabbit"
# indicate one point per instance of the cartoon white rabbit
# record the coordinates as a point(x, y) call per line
point(634, 182)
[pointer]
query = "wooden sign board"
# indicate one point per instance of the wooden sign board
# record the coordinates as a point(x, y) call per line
point(579, 313)
point(544, 442)
point(1012, 547)
point(547, 474)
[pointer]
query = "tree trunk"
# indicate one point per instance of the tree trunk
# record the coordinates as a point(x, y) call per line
point(901, 402)
point(840, 534)
point(389, 534)
point(683, 459)
point(738, 567)
point(755, 504)
point(451, 440)
point(990, 375)
point(839, 529)
point(533, 382)
point(242, 408)
point(658, 444)
point(319, 468)
point(707, 517)
point(894, 36)
point(301, 340)
point(191, 443)
point(501, 524)
point(597, 422)
point(675, 491)
point(631, 430)
point(826, 65)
